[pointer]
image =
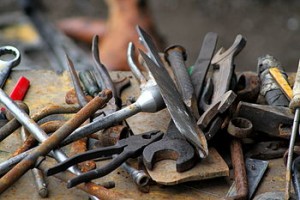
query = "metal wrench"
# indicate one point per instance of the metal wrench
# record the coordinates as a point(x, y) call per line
point(223, 70)
point(7, 65)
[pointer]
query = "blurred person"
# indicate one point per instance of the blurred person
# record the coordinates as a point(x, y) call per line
point(116, 32)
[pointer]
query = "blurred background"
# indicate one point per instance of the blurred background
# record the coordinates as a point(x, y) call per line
point(270, 26)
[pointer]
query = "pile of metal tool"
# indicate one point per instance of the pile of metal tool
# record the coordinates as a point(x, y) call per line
point(211, 105)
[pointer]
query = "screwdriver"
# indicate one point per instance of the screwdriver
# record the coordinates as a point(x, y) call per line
point(294, 106)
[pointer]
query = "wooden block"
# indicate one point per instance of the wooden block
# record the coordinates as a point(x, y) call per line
point(164, 172)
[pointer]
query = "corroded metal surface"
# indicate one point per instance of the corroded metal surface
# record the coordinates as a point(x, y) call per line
point(52, 142)
point(38, 97)
point(48, 127)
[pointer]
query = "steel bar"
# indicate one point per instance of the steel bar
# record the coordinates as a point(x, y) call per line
point(49, 143)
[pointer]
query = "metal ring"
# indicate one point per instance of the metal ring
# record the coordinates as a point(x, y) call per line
point(240, 127)
point(10, 50)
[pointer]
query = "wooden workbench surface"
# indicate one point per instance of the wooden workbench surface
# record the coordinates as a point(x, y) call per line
point(48, 88)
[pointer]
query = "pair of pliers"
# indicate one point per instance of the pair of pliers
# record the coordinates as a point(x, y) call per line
point(130, 147)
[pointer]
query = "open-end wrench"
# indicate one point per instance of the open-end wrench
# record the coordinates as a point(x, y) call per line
point(223, 70)
point(173, 146)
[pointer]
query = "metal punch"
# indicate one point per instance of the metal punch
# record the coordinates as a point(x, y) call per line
point(130, 147)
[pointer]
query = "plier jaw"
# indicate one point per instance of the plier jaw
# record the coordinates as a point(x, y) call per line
point(130, 147)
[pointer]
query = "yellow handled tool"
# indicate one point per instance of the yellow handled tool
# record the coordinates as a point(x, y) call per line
point(282, 82)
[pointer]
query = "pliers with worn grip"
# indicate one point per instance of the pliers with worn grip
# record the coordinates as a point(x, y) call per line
point(130, 147)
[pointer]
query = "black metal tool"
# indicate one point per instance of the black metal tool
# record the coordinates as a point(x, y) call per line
point(255, 170)
point(267, 150)
point(181, 116)
point(130, 147)
point(202, 63)
point(267, 119)
point(173, 146)
point(212, 119)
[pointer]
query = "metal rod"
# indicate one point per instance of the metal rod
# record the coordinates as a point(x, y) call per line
point(290, 154)
point(49, 143)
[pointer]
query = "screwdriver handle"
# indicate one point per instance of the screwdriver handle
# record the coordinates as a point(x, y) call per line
point(295, 102)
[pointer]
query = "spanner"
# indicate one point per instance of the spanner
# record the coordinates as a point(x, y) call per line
point(223, 71)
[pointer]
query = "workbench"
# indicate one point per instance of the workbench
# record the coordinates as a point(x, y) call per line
point(49, 88)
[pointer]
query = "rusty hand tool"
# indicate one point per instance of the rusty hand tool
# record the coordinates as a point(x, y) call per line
point(7, 65)
point(222, 71)
point(295, 106)
point(240, 127)
point(38, 176)
point(130, 147)
point(13, 124)
point(272, 120)
point(267, 150)
point(255, 170)
point(173, 146)
point(49, 143)
point(175, 56)
point(240, 176)
point(212, 119)
point(202, 63)
point(269, 88)
point(247, 87)
point(27, 147)
point(238, 163)
point(48, 127)
point(79, 145)
point(181, 116)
